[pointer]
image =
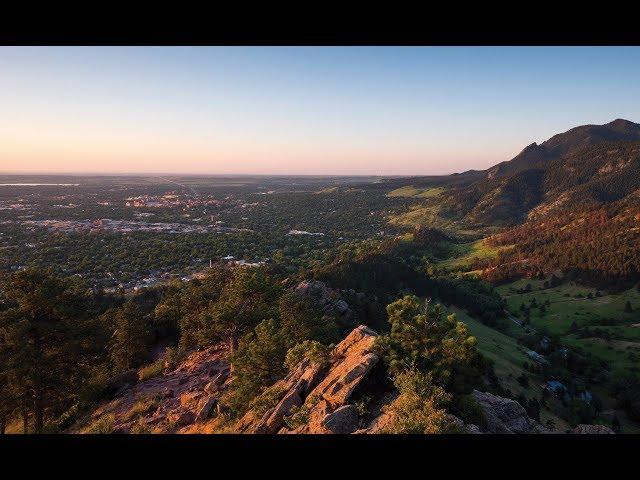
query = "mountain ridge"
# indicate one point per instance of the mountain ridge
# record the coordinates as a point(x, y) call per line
point(588, 164)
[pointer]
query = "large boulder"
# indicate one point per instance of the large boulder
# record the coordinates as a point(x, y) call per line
point(205, 407)
point(297, 387)
point(504, 415)
point(353, 360)
point(342, 420)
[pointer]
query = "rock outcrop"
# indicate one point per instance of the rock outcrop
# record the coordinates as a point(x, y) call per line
point(343, 395)
point(327, 299)
point(169, 403)
point(504, 415)
point(295, 387)
point(320, 394)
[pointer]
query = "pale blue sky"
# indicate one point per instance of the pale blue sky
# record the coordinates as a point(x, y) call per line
point(312, 110)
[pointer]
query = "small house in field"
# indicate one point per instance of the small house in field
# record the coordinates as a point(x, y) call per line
point(554, 386)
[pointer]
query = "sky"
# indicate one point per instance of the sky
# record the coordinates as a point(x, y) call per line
point(300, 110)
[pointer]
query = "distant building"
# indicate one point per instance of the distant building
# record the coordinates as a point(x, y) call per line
point(536, 357)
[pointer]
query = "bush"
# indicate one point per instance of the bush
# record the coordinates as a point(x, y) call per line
point(104, 424)
point(173, 356)
point(152, 370)
point(299, 416)
point(420, 406)
point(257, 364)
point(140, 427)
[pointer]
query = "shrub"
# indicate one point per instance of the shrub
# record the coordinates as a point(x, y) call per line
point(420, 406)
point(173, 357)
point(257, 364)
point(152, 370)
point(421, 338)
point(298, 416)
point(104, 424)
point(140, 427)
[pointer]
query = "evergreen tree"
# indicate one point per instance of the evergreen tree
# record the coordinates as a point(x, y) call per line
point(257, 364)
point(130, 340)
point(421, 338)
point(304, 321)
point(246, 299)
point(43, 346)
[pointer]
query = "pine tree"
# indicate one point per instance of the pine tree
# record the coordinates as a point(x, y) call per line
point(421, 338)
point(42, 348)
point(247, 299)
point(258, 363)
point(130, 338)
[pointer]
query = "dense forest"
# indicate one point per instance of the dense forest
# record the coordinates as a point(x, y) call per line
point(598, 245)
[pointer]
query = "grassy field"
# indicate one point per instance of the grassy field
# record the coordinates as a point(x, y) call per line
point(508, 360)
point(613, 334)
point(430, 215)
point(463, 254)
point(414, 192)
point(570, 303)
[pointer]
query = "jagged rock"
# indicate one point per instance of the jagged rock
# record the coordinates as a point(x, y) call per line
point(246, 422)
point(180, 418)
point(319, 410)
point(221, 378)
point(205, 408)
point(320, 391)
point(354, 360)
point(342, 420)
point(313, 288)
point(592, 429)
point(504, 415)
point(296, 386)
point(188, 399)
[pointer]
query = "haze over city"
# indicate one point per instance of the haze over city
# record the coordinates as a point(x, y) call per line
point(293, 110)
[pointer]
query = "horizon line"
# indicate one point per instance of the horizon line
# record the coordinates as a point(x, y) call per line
point(157, 174)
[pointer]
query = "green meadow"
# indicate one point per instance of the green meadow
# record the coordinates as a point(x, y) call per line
point(410, 191)
point(463, 254)
point(598, 324)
